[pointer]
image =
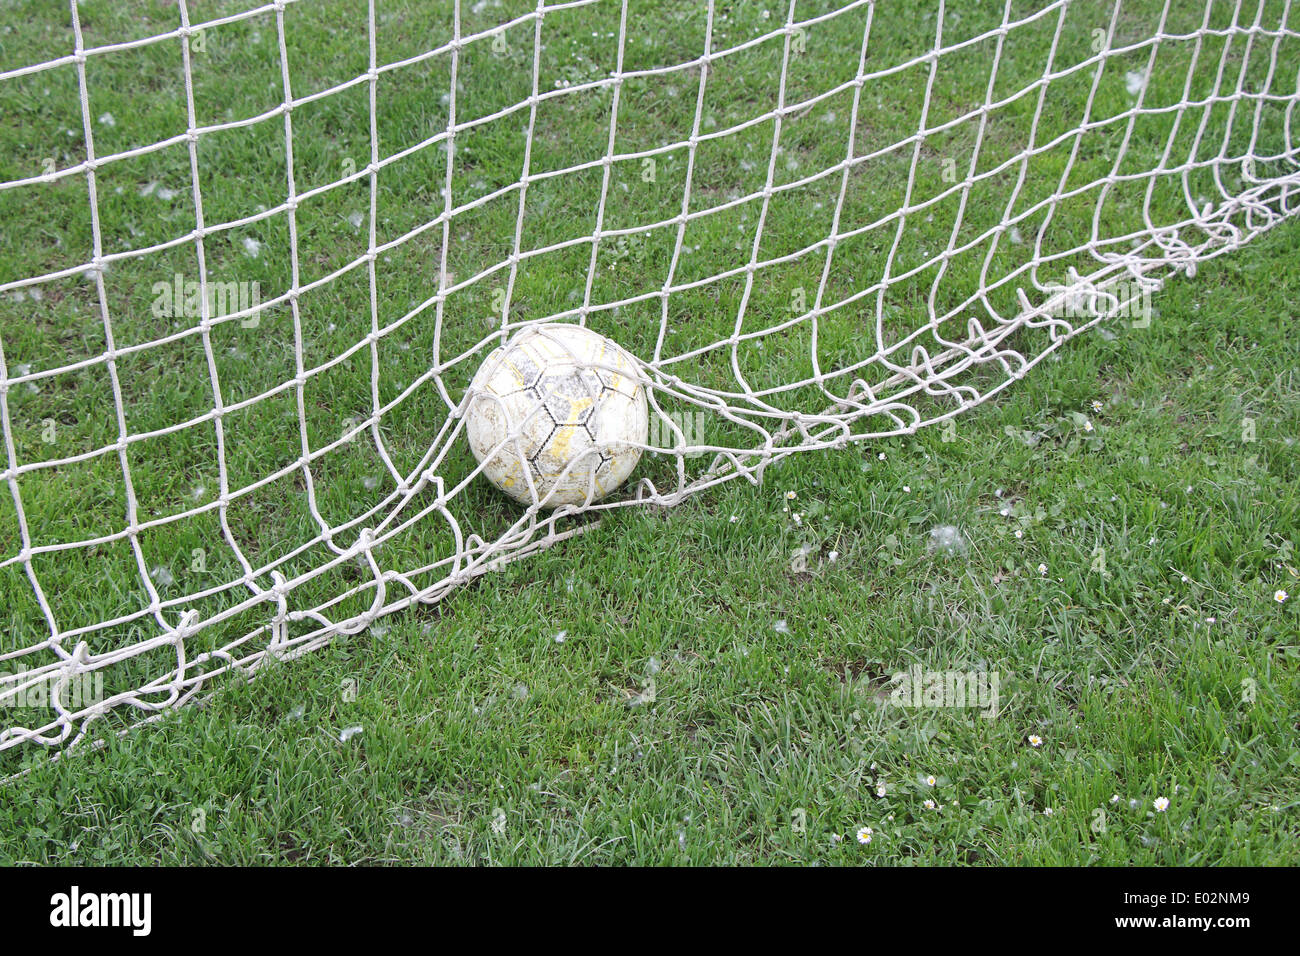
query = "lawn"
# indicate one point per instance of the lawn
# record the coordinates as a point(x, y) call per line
point(1111, 540)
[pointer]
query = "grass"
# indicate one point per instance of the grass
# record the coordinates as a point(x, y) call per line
point(678, 721)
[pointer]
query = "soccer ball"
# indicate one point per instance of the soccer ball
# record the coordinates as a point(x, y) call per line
point(560, 405)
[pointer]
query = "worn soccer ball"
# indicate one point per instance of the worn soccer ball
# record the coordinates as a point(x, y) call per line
point(557, 416)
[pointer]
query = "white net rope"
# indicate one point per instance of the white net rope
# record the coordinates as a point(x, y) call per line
point(859, 278)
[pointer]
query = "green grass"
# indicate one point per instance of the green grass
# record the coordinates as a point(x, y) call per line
point(759, 743)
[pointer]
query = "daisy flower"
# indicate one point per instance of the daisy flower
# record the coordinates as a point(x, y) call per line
point(864, 835)
point(881, 790)
point(1035, 740)
point(1161, 804)
point(930, 781)
point(1280, 596)
point(929, 804)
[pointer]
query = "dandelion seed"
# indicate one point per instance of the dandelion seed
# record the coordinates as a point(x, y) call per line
point(864, 835)
point(561, 637)
point(1048, 811)
point(252, 247)
point(833, 557)
point(106, 119)
point(881, 456)
point(349, 732)
point(881, 790)
point(1035, 740)
point(734, 518)
point(781, 627)
point(1280, 596)
point(1161, 804)
point(162, 576)
point(798, 518)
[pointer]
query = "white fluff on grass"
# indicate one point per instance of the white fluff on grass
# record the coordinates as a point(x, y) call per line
point(947, 539)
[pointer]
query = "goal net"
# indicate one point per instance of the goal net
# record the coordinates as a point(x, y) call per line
point(253, 255)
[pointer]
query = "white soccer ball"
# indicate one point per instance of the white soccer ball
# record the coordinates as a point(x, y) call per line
point(562, 405)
